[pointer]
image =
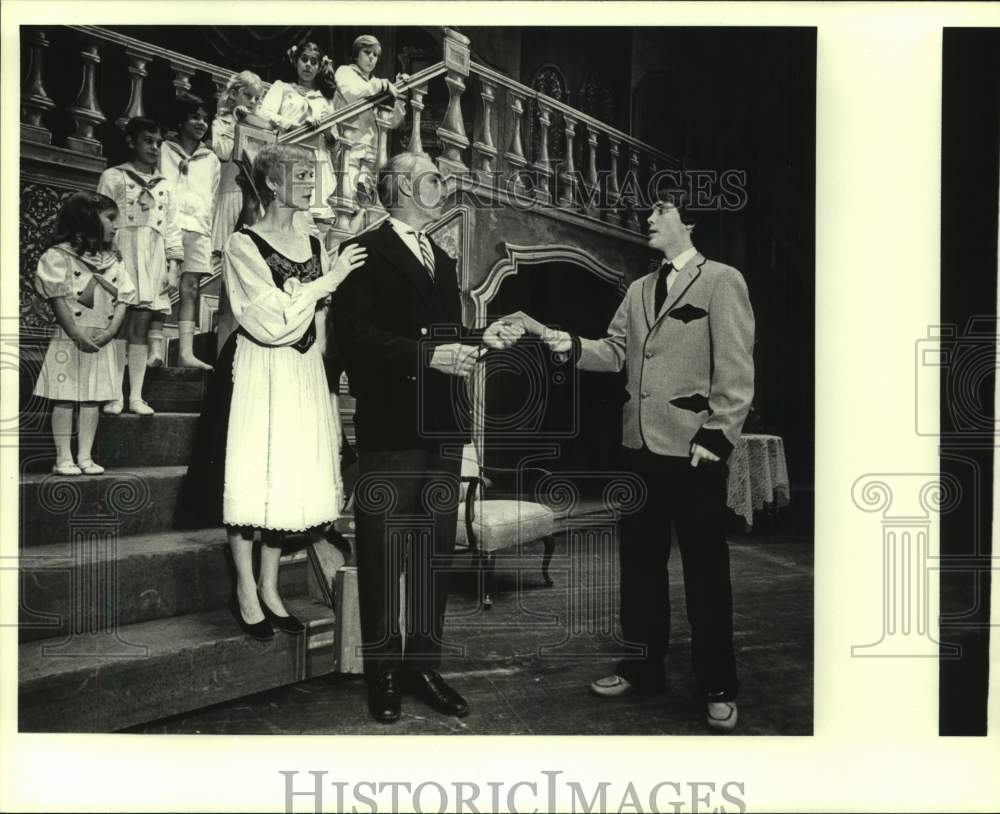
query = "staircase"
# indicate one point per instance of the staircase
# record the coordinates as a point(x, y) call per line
point(123, 619)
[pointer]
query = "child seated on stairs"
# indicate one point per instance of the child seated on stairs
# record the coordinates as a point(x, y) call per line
point(83, 278)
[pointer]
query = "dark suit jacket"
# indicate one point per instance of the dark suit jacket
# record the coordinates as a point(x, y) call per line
point(387, 318)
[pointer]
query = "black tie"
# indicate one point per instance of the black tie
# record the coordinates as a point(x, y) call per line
point(661, 286)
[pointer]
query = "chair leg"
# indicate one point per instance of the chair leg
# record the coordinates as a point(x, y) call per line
point(550, 546)
point(487, 569)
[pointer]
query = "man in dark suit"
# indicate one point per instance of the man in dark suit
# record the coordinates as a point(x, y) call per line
point(397, 324)
point(685, 335)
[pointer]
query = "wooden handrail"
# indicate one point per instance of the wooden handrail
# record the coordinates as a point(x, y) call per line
point(175, 58)
point(347, 113)
point(576, 115)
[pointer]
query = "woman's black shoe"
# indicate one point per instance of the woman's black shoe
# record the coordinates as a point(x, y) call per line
point(289, 624)
point(261, 631)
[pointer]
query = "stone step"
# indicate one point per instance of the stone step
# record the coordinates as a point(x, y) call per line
point(124, 502)
point(172, 389)
point(96, 585)
point(167, 389)
point(126, 440)
point(152, 670)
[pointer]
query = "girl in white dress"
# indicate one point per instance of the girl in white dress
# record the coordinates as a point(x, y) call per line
point(308, 100)
point(239, 99)
point(83, 278)
point(282, 445)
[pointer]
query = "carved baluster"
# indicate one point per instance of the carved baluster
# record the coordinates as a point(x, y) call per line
point(593, 192)
point(417, 94)
point(182, 79)
point(35, 100)
point(383, 120)
point(219, 83)
point(613, 213)
point(632, 184)
point(567, 194)
point(342, 202)
point(137, 61)
point(85, 110)
point(543, 163)
point(452, 129)
point(348, 160)
point(515, 149)
point(484, 146)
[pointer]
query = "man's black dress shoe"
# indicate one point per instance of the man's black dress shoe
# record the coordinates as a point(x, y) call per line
point(383, 698)
point(430, 687)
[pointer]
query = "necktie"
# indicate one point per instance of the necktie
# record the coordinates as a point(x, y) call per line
point(146, 199)
point(661, 286)
point(425, 252)
point(185, 160)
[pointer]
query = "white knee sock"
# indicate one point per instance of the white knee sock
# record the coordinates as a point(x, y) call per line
point(137, 355)
point(62, 432)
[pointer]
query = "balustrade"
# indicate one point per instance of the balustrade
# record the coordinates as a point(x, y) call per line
point(500, 107)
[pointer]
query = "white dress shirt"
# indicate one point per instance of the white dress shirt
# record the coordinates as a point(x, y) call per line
point(678, 263)
point(408, 236)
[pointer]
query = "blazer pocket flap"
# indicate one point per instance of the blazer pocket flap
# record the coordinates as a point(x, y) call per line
point(687, 313)
point(696, 403)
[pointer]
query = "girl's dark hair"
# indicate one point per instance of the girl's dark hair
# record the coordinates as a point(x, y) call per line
point(79, 222)
point(141, 124)
point(182, 107)
point(325, 83)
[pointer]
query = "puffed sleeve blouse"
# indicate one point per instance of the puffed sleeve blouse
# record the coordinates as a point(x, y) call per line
point(270, 315)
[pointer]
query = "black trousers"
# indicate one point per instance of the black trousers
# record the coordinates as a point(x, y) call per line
point(694, 498)
point(406, 507)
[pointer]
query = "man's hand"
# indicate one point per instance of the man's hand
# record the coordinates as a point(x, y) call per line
point(455, 359)
point(558, 341)
point(699, 453)
point(502, 334)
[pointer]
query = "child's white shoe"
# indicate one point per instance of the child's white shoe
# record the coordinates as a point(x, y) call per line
point(90, 468)
point(67, 468)
point(114, 407)
point(139, 407)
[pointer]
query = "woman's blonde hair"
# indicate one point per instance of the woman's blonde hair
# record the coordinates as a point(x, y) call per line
point(271, 164)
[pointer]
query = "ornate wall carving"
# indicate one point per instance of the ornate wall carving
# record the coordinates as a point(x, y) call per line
point(40, 205)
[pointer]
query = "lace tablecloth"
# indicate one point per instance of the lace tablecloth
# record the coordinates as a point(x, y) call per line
point(758, 475)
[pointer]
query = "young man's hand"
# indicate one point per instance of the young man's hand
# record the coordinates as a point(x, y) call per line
point(699, 453)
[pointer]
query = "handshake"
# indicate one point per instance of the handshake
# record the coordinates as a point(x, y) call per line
point(457, 359)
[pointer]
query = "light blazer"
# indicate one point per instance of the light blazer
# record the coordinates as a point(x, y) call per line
point(690, 367)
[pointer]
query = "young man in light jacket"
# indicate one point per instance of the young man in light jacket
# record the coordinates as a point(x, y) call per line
point(685, 335)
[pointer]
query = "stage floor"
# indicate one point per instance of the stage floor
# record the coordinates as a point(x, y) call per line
point(527, 662)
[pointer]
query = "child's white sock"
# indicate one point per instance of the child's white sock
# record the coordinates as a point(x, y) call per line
point(156, 355)
point(62, 432)
point(87, 430)
point(185, 350)
point(137, 355)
